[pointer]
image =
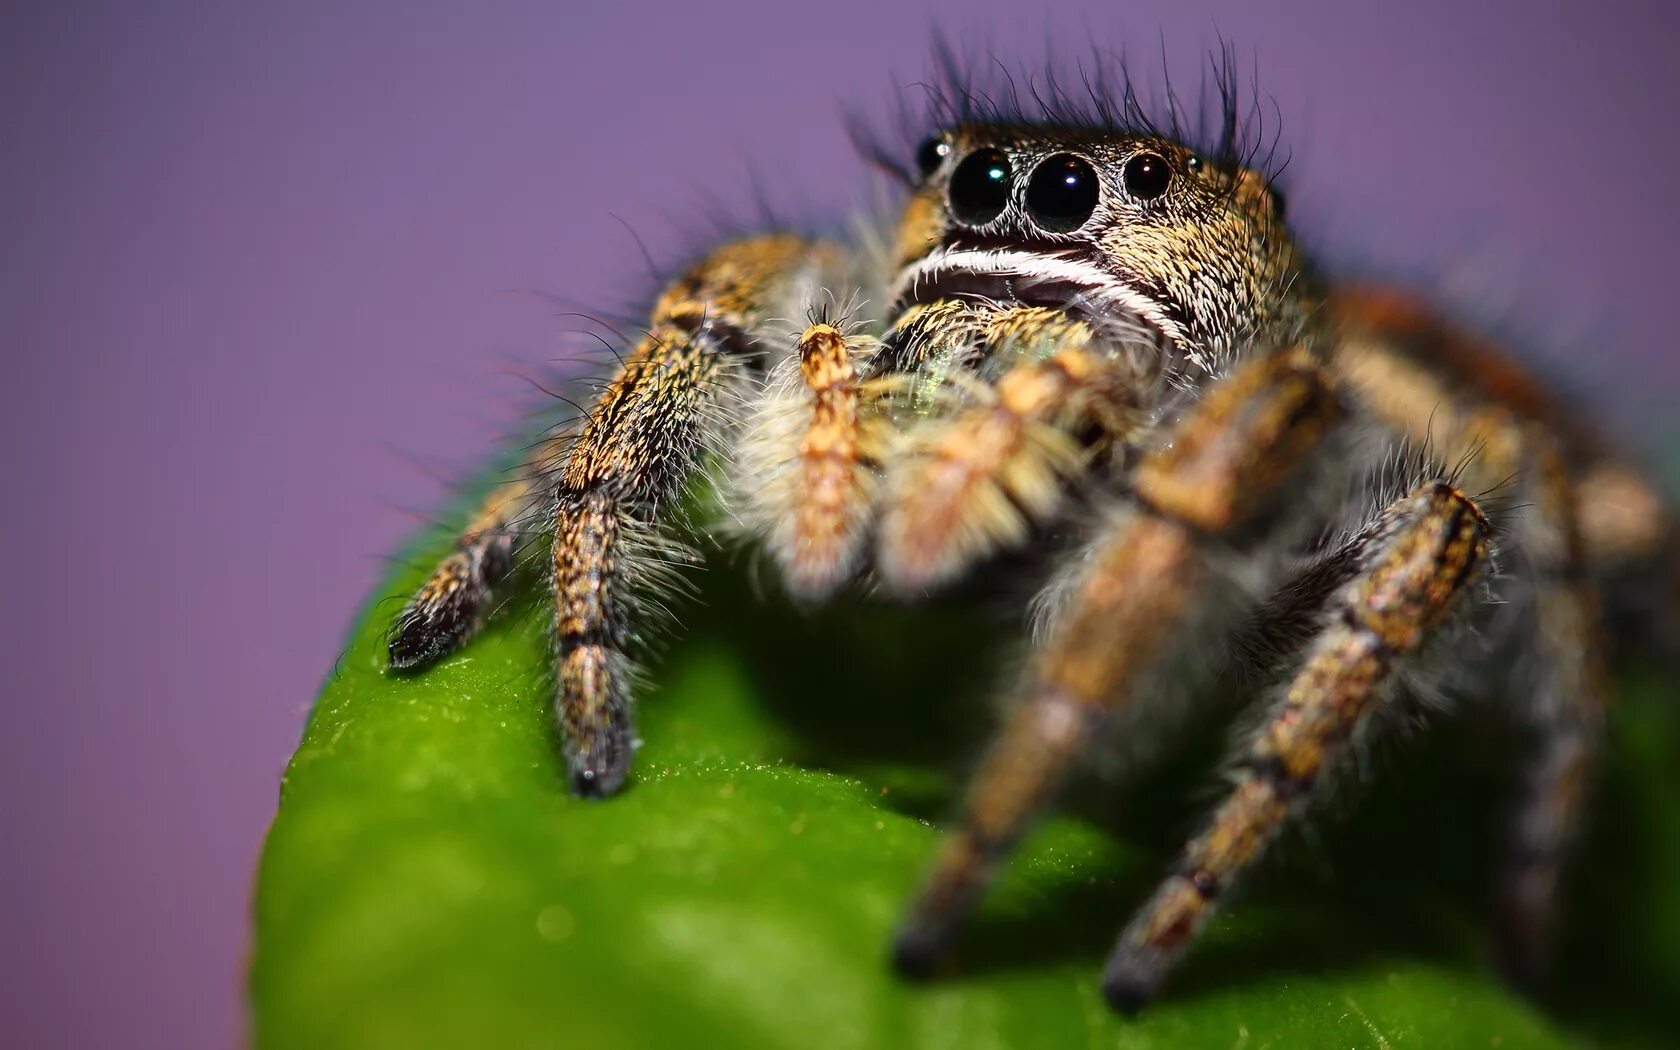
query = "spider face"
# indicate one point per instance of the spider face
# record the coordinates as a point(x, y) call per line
point(1099, 224)
point(1103, 353)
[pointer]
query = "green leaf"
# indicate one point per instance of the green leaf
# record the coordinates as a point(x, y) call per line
point(429, 883)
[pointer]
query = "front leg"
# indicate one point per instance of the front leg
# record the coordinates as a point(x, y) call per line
point(1214, 488)
point(640, 445)
point(640, 442)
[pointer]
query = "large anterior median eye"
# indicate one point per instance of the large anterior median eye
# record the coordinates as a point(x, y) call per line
point(1062, 193)
point(980, 187)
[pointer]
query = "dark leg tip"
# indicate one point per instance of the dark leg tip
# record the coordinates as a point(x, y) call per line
point(416, 642)
point(600, 770)
point(1523, 948)
point(1131, 978)
point(917, 952)
point(594, 782)
point(1522, 976)
point(410, 650)
point(1127, 994)
point(407, 659)
point(1523, 965)
point(599, 751)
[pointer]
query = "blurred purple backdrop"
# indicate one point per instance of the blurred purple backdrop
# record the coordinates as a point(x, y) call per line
point(255, 257)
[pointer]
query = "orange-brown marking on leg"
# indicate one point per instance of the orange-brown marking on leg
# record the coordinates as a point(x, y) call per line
point(1470, 402)
point(1435, 542)
point(1438, 383)
point(1384, 321)
point(1254, 431)
point(1124, 618)
point(639, 444)
point(1621, 516)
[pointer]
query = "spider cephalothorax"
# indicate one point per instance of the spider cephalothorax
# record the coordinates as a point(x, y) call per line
point(1085, 328)
point(1102, 222)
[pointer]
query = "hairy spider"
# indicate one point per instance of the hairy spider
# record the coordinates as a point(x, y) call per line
point(1100, 349)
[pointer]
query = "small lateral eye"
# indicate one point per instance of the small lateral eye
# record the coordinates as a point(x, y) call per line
point(980, 187)
point(1146, 176)
point(1280, 202)
point(931, 154)
point(1062, 193)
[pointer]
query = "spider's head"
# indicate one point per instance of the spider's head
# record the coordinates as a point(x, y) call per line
point(1104, 224)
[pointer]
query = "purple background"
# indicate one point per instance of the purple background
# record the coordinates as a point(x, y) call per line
point(256, 260)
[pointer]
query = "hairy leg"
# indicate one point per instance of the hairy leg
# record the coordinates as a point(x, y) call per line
point(640, 444)
point(1440, 383)
point(1212, 488)
point(1561, 700)
point(1413, 566)
point(453, 601)
point(1438, 386)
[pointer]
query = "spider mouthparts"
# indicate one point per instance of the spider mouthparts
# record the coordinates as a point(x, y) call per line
point(1036, 278)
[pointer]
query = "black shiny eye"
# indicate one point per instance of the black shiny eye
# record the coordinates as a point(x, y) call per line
point(1146, 176)
point(980, 187)
point(1280, 202)
point(931, 154)
point(1062, 193)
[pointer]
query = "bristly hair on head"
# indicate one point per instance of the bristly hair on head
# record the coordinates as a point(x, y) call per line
point(1227, 126)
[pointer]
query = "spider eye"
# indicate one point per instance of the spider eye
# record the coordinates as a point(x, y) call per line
point(931, 154)
point(1146, 176)
point(1062, 193)
point(980, 187)
point(1280, 202)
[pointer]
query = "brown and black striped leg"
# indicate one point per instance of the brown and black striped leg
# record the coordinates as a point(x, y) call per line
point(1564, 541)
point(640, 443)
point(1442, 386)
point(453, 601)
point(1563, 705)
point(1415, 566)
point(1227, 467)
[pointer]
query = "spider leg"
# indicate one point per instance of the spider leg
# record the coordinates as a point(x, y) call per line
point(640, 444)
point(1214, 484)
point(1565, 703)
point(1568, 537)
point(1414, 566)
point(963, 486)
point(451, 604)
point(1440, 384)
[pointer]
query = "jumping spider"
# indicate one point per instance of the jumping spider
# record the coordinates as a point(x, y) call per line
point(1102, 351)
